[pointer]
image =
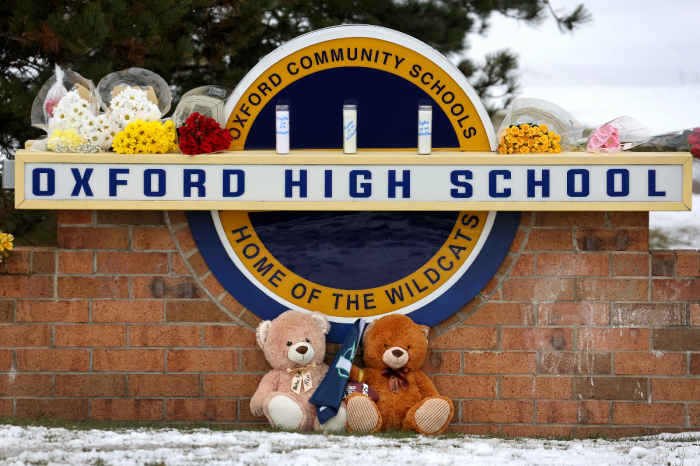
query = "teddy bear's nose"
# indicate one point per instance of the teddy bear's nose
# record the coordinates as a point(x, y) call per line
point(397, 352)
point(302, 349)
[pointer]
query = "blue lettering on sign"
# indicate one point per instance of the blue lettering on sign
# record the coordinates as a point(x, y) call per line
point(114, 182)
point(571, 183)
point(50, 182)
point(188, 183)
point(625, 174)
point(148, 179)
point(652, 185)
point(240, 183)
point(366, 187)
point(405, 184)
point(468, 190)
point(289, 183)
point(328, 188)
point(493, 183)
point(532, 183)
point(81, 182)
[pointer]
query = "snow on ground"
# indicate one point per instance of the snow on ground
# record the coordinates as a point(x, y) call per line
point(58, 446)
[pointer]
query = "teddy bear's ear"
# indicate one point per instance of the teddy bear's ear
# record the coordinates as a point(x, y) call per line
point(322, 322)
point(425, 330)
point(366, 332)
point(261, 332)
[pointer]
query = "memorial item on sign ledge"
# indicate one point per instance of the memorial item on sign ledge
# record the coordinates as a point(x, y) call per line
point(615, 136)
point(394, 350)
point(68, 116)
point(6, 245)
point(686, 140)
point(537, 126)
point(199, 117)
point(295, 345)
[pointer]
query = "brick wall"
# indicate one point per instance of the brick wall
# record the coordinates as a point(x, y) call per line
point(582, 331)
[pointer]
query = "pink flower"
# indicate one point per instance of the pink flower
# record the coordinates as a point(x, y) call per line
point(604, 139)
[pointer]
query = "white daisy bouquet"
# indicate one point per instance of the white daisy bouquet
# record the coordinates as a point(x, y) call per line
point(132, 104)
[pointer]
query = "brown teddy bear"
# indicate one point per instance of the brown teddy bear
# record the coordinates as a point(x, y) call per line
point(394, 349)
point(294, 344)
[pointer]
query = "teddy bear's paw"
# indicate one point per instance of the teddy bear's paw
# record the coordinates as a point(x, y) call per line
point(285, 413)
point(336, 423)
point(362, 414)
point(433, 415)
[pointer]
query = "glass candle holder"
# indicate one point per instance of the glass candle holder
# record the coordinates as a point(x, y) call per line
point(349, 129)
point(425, 129)
point(282, 128)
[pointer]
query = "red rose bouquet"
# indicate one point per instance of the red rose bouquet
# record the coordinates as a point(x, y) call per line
point(202, 135)
point(686, 140)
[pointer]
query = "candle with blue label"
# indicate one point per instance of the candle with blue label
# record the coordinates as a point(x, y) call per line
point(425, 129)
point(349, 129)
point(282, 128)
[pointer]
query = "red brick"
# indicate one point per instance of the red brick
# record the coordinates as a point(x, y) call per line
point(19, 261)
point(490, 286)
point(165, 287)
point(179, 266)
point(541, 289)
point(132, 262)
point(90, 385)
point(613, 339)
point(675, 389)
point(126, 409)
point(611, 388)
point(93, 287)
point(249, 318)
point(25, 335)
point(538, 432)
point(630, 265)
point(23, 286)
point(197, 262)
point(195, 311)
point(498, 411)
point(676, 339)
point(629, 219)
point(550, 240)
point(450, 321)
point(44, 260)
point(676, 290)
point(125, 360)
point(232, 384)
point(185, 240)
point(177, 217)
point(537, 338)
point(229, 336)
point(7, 360)
point(649, 314)
point(76, 408)
point(612, 289)
point(558, 362)
point(6, 408)
point(650, 364)
point(695, 364)
point(7, 311)
point(158, 239)
point(130, 217)
point(649, 413)
point(73, 262)
point(255, 361)
point(694, 413)
point(570, 219)
point(465, 386)
point(202, 360)
point(471, 429)
point(164, 335)
point(610, 432)
point(517, 241)
point(164, 385)
point(573, 412)
point(93, 238)
point(246, 415)
point(90, 335)
point(687, 263)
point(493, 313)
point(573, 313)
point(505, 265)
point(127, 311)
point(526, 218)
point(596, 265)
point(230, 303)
point(52, 311)
point(499, 363)
point(201, 410)
point(537, 387)
point(213, 285)
point(53, 360)
point(74, 217)
point(663, 263)
point(612, 240)
point(25, 385)
point(465, 338)
point(695, 314)
point(524, 266)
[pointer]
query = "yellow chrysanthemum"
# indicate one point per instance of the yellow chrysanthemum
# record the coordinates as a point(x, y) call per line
point(544, 128)
point(142, 137)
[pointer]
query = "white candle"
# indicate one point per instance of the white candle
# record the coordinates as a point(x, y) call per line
point(349, 129)
point(282, 129)
point(425, 129)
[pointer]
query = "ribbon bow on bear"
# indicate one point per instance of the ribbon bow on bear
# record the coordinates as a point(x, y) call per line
point(302, 378)
point(396, 379)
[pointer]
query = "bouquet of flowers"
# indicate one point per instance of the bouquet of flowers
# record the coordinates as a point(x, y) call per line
point(6, 245)
point(685, 140)
point(615, 136)
point(199, 118)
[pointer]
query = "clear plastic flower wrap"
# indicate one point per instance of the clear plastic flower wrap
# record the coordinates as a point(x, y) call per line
point(685, 140)
point(614, 136)
point(206, 100)
point(200, 118)
point(156, 89)
point(537, 126)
